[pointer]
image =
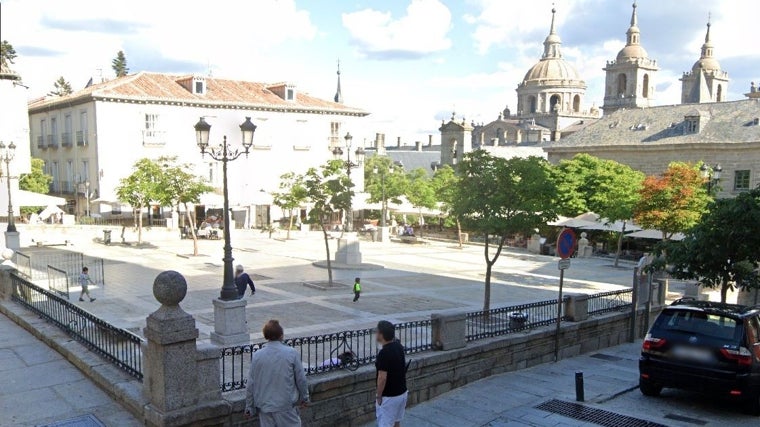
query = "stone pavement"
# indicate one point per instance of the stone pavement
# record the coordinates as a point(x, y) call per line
point(417, 280)
point(611, 378)
point(39, 387)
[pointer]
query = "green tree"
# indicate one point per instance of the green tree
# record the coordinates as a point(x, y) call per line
point(36, 181)
point(608, 188)
point(330, 191)
point(180, 187)
point(420, 192)
point(383, 177)
point(673, 202)
point(141, 188)
point(119, 64)
point(445, 182)
point(721, 250)
point(60, 88)
point(291, 196)
point(7, 53)
point(499, 197)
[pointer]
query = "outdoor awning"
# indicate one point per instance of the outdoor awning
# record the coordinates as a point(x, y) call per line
point(571, 222)
point(653, 234)
point(617, 226)
point(28, 198)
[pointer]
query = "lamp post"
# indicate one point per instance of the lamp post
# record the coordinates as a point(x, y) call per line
point(225, 153)
point(338, 155)
point(87, 198)
point(711, 175)
point(7, 153)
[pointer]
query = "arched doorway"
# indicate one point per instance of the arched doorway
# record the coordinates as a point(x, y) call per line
point(577, 103)
point(719, 96)
point(622, 83)
point(645, 89)
point(532, 104)
point(554, 102)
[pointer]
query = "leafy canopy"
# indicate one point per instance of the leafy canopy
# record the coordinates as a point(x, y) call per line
point(36, 181)
point(292, 192)
point(329, 190)
point(589, 184)
point(7, 53)
point(119, 64)
point(420, 191)
point(143, 185)
point(673, 202)
point(178, 185)
point(61, 87)
point(445, 182)
point(391, 175)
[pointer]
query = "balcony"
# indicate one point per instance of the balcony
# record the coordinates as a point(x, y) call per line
point(41, 143)
point(81, 138)
point(52, 141)
point(66, 186)
point(66, 139)
point(154, 138)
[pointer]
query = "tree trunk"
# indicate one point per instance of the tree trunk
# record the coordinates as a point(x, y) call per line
point(290, 225)
point(724, 291)
point(327, 253)
point(489, 266)
point(459, 233)
point(619, 245)
point(421, 222)
point(139, 226)
point(192, 230)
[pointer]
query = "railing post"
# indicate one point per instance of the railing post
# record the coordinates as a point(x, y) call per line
point(449, 330)
point(176, 372)
point(6, 284)
point(576, 307)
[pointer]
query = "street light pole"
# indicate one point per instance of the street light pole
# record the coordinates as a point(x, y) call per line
point(8, 153)
point(711, 176)
point(338, 155)
point(225, 153)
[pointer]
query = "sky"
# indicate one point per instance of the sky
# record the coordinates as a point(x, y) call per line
point(411, 63)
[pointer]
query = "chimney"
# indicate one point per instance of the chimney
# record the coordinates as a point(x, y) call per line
point(398, 142)
point(380, 143)
point(418, 145)
point(430, 140)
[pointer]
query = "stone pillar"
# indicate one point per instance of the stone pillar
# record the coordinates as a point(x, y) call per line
point(384, 234)
point(348, 251)
point(180, 382)
point(449, 330)
point(750, 297)
point(6, 285)
point(12, 240)
point(230, 324)
point(576, 307)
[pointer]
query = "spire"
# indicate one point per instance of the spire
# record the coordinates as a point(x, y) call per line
point(707, 48)
point(338, 94)
point(552, 42)
point(633, 33)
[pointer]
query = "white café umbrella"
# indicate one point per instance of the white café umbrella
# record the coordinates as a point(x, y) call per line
point(654, 235)
point(50, 211)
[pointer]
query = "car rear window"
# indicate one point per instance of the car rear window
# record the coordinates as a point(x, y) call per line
point(715, 326)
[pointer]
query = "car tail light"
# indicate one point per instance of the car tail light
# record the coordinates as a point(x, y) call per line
point(742, 356)
point(651, 343)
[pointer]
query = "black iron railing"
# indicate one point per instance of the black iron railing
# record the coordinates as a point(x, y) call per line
point(323, 353)
point(119, 346)
point(607, 302)
point(505, 320)
point(34, 265)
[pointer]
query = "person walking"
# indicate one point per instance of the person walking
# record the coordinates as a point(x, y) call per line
point(391, 393)
point(357, 289)
point(84, 282)
point(242, 281)
point(276, 382)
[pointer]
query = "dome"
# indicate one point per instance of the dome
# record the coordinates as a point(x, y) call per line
point(631, 52)
point(707, 64)
point(552, 69)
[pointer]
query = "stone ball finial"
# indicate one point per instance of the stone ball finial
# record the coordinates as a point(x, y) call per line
point(7, 254)
point(170, 288)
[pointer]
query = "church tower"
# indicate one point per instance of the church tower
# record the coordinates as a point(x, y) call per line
point(706, 82)
point(630, 77)
point(456, 140)
point(338, 94)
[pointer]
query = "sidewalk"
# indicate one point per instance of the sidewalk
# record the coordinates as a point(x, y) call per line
point(39, 387)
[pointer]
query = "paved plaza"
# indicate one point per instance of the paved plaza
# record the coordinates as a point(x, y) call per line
point(417, 280)
point(40, 387)
point(611, 378)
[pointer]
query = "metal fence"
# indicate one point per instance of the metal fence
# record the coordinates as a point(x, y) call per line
point(607, 302)
point(58, 281)
point(514, 318)
point(119, 346)
point(24, 264)
point(128, 221)
point(323, 353)
point(34, 265)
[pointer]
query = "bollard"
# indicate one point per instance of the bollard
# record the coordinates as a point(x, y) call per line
point(579, 386)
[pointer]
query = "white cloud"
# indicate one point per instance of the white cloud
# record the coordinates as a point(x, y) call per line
point(423, 30)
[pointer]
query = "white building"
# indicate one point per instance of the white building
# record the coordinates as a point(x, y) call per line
point(13, 128)
point(92, 137)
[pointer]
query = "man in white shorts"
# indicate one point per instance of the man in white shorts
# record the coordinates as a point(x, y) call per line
point(391, 377)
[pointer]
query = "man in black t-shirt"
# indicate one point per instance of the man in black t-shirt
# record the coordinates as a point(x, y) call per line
point(391, 377)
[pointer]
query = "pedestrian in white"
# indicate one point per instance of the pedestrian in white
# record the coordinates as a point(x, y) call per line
point(84, 282)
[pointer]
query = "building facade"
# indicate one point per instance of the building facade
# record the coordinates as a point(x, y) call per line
point(13, 129)
point(90, 139)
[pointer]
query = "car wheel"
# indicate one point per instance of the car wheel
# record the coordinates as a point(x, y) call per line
point(649, 389)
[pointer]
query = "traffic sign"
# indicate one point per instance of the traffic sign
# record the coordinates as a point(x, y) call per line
point(566, 243)
point(563, 264)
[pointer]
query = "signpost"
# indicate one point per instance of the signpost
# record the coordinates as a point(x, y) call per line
point(565, 249)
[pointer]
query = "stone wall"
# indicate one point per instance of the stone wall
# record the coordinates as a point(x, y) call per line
point(347, 398)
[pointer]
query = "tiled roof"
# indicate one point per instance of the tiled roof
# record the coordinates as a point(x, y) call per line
point(722, 122)
point(412, 159)
point(157, 87)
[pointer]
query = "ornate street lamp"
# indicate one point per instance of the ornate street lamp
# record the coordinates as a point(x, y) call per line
point(7, 153)
point(338, 155)
point(225, 153)
point(711, 175)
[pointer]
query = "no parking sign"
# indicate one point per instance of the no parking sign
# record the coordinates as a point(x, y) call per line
point(566, 243)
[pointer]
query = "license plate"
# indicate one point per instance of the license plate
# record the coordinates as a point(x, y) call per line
point(691, 353)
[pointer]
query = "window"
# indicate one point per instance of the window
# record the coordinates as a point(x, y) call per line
point(66, 136)
point(152, 135)
point(741, 180)
point(291, 94)
point(719, 98)
point(69, 175)
point(43, 127)
point(645, 84)
point(622, 84)
point(83, 129)
point(85, 170)
point(577, 103)
point(532, 104)
point(212, 173)
point(199, 88)
point(554, 102)
point(334, 134)
point(691, 125)
point(54, 173)
point(53, 131)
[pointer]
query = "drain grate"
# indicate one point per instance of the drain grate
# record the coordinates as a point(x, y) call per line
point(88, 420)
point(606, 357)
point(686, 419)
point(592, 415)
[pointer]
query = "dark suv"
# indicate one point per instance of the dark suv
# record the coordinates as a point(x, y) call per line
point(704, 346)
